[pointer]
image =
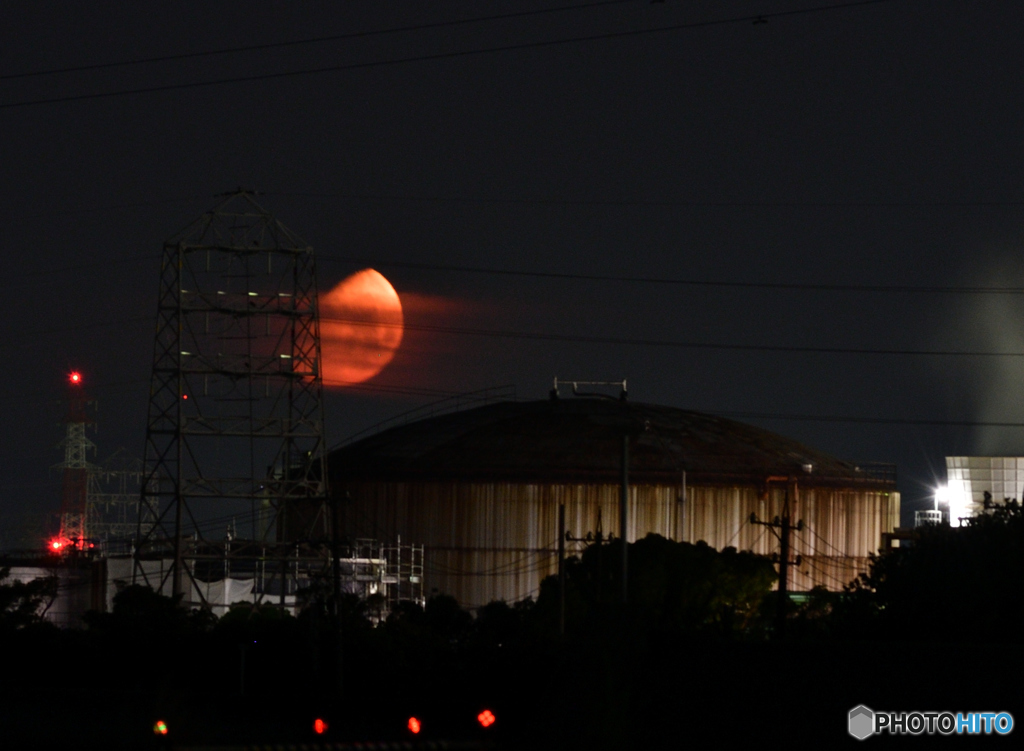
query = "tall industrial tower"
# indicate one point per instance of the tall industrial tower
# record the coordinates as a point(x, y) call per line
point(74, 471)
point(235, 429)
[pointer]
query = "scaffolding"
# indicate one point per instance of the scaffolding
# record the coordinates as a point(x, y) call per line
point(243, 571)
point(404, 573)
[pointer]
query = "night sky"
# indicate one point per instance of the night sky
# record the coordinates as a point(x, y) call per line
point(874, 146)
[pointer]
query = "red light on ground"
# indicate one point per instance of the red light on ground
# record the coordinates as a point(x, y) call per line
point(486, 718)
point(414, 725)
point(160, 728)
point(55, 545)
point(319, 726)
point(75, 377)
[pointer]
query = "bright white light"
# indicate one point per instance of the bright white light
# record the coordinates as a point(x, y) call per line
point(941, 495)
point(959, 507)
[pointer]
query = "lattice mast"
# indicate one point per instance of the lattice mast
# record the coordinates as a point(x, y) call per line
point(236, 418)
point(75, 469)
point(113, 500)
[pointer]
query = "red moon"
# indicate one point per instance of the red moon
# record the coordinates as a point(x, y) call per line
point(361, 326)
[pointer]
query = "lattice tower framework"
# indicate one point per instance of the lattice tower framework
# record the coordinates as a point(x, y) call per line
point(75, 468)
point(235, 426)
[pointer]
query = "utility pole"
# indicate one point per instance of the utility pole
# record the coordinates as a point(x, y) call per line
point(781, 527)
point(624, 500)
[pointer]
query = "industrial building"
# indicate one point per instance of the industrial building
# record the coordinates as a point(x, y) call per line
point(481, 490)
point(968, 478)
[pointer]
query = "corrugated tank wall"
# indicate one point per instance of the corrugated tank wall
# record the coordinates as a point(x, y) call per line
point(498, 540)
point(842, 527)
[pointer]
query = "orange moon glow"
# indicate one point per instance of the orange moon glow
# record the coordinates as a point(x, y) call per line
point(361, 327)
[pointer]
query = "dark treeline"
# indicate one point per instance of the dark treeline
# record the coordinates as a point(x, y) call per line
point(694, 657)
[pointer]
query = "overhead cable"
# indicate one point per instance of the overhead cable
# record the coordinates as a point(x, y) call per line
point(669, 281)
point(607, 36)
point(668, 343)
point(309, 40)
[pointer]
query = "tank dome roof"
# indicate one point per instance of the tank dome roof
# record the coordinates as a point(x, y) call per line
point(580, 441)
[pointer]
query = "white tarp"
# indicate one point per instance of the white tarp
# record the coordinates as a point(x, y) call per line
point(219, 595)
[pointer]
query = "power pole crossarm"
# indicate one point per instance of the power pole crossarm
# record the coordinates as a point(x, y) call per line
point(782, 527)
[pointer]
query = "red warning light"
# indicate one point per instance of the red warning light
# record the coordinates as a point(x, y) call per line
point(486, 718)
point(414, 725)
point(184, 396)
point(319, 726)
point(160, 728)
point(75, 377)
point(58, 544)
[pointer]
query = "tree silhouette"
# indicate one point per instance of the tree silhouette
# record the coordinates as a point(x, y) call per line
point(23, 603)
point(673, 586)
point(952, 583)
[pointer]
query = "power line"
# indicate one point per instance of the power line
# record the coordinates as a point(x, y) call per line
point(667, 343)
point(757, 539)
point(84, 327)
point(64, 213)
point(605, 340)
point(789, 286)
point(92, 266)
point(870, 420)
point(310, 40)
point(37, 398)
point(823, 573)
point(737, 533)
point(566, 276)
point(758, 18)
point(684, 203)
point(385, 389)
point(539, 201)
point(814, 547)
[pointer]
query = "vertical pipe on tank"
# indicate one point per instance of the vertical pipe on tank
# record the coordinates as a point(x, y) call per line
point(624, 516)
point(682, 509)
point(561, 569)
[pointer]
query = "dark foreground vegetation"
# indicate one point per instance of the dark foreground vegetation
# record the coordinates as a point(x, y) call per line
point(694, 660)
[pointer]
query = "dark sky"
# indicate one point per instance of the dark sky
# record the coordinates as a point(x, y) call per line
point(878, 145)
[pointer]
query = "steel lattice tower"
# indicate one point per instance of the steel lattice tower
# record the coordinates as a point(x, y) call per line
point(235, 424)
point(74, 471)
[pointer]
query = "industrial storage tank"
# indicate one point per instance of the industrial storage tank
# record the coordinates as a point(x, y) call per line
point(481, 490)
point(970, 478)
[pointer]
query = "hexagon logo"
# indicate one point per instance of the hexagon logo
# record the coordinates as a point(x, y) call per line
point(862, 722)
